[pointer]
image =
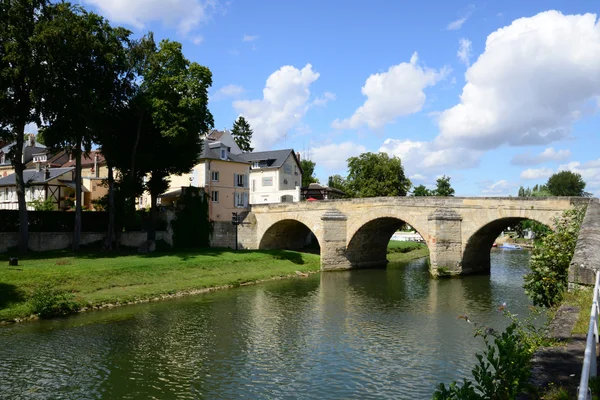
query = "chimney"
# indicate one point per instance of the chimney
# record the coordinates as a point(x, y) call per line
point(47, 173)
point(96, 172)
point(38, 166)
point(31, 140)
point(298, 156)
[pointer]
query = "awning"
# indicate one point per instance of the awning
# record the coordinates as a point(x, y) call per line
point(171, 195)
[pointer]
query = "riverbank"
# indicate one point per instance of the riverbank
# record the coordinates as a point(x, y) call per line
point(97, 280)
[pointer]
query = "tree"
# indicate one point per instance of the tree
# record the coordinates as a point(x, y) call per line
point(421, 190)
point(20, 79)
point(443, 187)
point(566, 183)
point(376, 174)
point(171, 108)
point(338, 182)
point(308, 172)
point(242, 134)
point(83, 58)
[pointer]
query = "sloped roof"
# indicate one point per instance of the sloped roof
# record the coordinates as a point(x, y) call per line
point(28, 151)
point(32, 176)
point(87, 160)
point(215, 134)
point(56, 160)
point(214, 154)
point(278, 157)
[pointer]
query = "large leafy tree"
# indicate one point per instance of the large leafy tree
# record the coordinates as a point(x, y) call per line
point(20, 79)
point(308, 172)
point(566, 183)
point(376, 174)
point(421, 190)
point(242, 134)
point(171, 110)
point(338, 182)
point(443, 187)
point(84, 59)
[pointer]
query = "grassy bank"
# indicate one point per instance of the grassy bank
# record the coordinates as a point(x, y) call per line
point(581, 298)
point(98, 278)
point(405, 251)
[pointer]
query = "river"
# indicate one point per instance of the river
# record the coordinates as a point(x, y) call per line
point(370, 334)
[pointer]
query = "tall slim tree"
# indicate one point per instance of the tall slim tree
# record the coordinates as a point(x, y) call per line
point(20, 79)
point(85, 60)
point(376, 174)
point(443, 187)
point(242, 134)
point(308, 172)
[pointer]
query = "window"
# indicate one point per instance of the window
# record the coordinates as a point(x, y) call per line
point(295, 170)
point(214, 196)
point(223, 154)
point(295, 183)
point(267, 181)
point(287, 169)
point(256, 164)
point(241, 199)
point(285, 181)
point(3, 159)
point(240, 180)
point(214, 176)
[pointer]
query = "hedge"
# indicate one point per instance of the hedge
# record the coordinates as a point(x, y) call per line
point(64, 221)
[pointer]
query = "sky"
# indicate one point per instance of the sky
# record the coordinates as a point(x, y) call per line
point(495, 95)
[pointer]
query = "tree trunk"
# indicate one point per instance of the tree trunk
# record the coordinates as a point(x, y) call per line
point(153, 213)
point(135, 146)
point(19, 168)
point(110, 235)
point(77, 230)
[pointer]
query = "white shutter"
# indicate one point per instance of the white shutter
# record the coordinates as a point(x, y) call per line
point(235, 180)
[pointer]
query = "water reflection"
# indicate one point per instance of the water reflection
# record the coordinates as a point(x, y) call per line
point(390, 333)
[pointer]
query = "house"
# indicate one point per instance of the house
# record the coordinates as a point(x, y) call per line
point(320, 192)
point(94, 171)
point(275, 176)
point(30, 147)
point(221, 172)
point(45, 183)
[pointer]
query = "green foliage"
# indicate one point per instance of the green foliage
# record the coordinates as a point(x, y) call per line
point(503, 370)
point(192, 227)
point(566, 183)
point(47, 301)
point(308, 172)
point(42, 205)
point(338, 182)
point(421, 190)
point(242, 134)
point(443, 187)
point(376, 174)
point(550, 261)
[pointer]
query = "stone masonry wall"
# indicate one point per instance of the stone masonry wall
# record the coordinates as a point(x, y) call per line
point(586, 259)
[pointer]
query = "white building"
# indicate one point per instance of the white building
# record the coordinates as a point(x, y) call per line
point(275, 176)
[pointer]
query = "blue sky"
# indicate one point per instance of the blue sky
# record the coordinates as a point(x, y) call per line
point(493, 94)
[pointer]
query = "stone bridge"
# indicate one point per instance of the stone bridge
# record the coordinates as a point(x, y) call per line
point(354, 233)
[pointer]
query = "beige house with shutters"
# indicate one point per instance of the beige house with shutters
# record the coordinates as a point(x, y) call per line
point(222, 174)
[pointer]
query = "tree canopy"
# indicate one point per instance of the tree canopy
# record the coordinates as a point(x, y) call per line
point(566, 183)
point(376, 174)
point(338, 182)
point(242, 134)
point(421, 190)
point(443, 187)
point(308, 172)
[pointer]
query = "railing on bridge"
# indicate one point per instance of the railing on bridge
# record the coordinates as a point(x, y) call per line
point(590, 368)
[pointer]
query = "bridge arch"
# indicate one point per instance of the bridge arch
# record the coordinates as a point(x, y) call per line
point(290, 234)
point(368, 237)
point(476, 252)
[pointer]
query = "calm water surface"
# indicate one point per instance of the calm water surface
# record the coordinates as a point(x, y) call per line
point(371, 334)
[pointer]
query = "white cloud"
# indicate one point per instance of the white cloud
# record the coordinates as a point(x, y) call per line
point(547, 155)
point(392, 94)
point(500, 188)
point(198, 39)
point(250, 38)
point(456, 25)
point(417, 177)
point(185, 15)
point(422, 157)
point(464, 51)
point(323, 100)
point(284, 104)
point(590, 173)
point(534, 79)
point(334, 156)
point(229, 91)
point(533, 173)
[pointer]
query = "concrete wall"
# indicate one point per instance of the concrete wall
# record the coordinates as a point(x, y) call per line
point(586, 259)
point(46, 241)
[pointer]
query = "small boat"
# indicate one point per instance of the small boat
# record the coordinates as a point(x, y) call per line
point(510, 246)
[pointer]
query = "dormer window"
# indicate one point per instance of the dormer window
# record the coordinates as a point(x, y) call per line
point(223, 154)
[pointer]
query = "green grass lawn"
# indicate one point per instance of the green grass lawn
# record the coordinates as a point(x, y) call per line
point(406, 251)
point(100, 278)
point(581, 298)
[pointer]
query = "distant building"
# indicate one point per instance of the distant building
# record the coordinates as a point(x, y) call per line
point(320, 192)
point(275, 176)
point(30, 147)
point(46, 183)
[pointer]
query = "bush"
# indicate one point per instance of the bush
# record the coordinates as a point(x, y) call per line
point(191, 227)
point(48, 302)
point(39, 205)
point(548, 280)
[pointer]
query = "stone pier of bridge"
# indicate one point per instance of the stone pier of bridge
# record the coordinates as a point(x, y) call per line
point(354, 233)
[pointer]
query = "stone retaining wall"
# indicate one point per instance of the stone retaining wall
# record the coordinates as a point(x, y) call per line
point(586, 259)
